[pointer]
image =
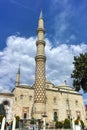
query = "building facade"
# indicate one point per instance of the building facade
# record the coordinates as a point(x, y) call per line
point(43, 97)
point(61, 101)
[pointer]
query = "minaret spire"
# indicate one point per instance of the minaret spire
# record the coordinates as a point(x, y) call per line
point(18, 77)
point(19, 69)
point(41, 14)
point(40, 91)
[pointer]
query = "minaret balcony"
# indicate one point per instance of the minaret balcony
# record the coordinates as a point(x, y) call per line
point(40, 29)
point(40, 58)
point(39, 42)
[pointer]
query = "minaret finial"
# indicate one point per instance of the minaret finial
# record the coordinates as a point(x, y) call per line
point(65, 82)
point(41, 14)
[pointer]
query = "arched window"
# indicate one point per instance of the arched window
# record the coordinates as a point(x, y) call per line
point(55, 116)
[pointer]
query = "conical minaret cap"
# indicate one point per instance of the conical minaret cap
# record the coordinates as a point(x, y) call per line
point(41, 15)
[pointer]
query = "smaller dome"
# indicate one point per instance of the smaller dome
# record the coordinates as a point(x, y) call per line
point(48, 82)
point(64, 86)
point(24, 85)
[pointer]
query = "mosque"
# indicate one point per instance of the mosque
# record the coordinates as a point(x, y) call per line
point(43, 98)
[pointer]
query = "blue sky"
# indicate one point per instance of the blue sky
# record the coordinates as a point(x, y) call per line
point(66, 37)
point(65, 19)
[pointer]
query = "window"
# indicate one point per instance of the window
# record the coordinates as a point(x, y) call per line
point(30, 98)
point(25, 112)
point(15, 98)
point(76, 102)
point(21, 96)
point(54, 99)
point(25, 115)
point(67, 101)
point(55, 116)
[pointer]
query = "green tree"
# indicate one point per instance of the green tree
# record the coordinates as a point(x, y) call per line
point(79, 73)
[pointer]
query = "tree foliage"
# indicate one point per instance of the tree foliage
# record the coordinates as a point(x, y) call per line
point(79, 73)
point(2, 110)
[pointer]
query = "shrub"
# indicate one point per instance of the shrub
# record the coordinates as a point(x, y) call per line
point(82, 123)
point(47, 124)
point(58, 124)
point(32, 121)
point(77, 122)
point(17, 121)
point(66, 123)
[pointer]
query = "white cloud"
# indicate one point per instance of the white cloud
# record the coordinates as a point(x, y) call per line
point(21, 50)
point(59, 61)
point(62, 24)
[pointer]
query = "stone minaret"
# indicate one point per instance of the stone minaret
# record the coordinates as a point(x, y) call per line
point(18, 77)
point(39, 91)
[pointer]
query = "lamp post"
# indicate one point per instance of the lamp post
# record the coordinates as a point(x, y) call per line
point(69, 111)
point(44, 120)
point(44, 116)
point(69, 108)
